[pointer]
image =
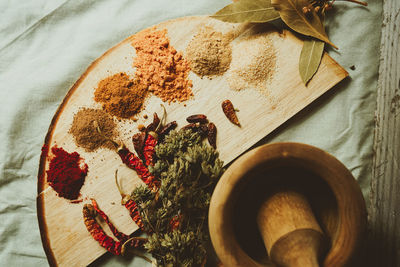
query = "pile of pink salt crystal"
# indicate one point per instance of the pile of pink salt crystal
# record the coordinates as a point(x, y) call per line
point(160, 67)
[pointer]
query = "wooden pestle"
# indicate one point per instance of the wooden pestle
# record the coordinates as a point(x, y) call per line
point(290, 231)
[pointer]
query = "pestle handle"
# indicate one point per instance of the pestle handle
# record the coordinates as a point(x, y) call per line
point(291, 234)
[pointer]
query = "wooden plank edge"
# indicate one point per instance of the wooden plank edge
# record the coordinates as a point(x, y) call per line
point(384, 194)
point(43, 230)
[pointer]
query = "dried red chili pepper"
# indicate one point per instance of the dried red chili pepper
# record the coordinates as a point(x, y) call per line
point(200, 118)
point(175, 222)
point(152, 137)
point(153, 126)
point(191, 126)
point(115, 247)
point(212, 134)
point(138, 140)
point(167, 128)
point(133, 162)
point(149, 149)
point(116, 233)
point(197, 128)
point(202, 129)
point(130, 205)
point(229, 111)
point(89, 218)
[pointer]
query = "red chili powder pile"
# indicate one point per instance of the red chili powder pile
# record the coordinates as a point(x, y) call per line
point(161, 67)
point(67, 172)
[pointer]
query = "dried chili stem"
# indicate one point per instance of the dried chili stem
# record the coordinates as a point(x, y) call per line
point(130, 205)
point(134, 242)
point(135, 252)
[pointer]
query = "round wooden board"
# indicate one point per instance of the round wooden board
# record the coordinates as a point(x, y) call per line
point(61, 224)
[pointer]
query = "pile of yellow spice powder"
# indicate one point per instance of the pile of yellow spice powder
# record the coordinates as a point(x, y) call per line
point(120, 95)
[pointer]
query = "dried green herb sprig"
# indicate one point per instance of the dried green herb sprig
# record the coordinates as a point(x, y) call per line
point(177, 213)
point(175, 247)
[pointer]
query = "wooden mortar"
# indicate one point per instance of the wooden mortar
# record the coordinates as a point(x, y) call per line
point(294, 202)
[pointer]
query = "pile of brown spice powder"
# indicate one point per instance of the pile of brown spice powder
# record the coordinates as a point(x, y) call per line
point(160, 67)
point(253, 63)
point(85, 133)
point(209, 52)
point(120, 95)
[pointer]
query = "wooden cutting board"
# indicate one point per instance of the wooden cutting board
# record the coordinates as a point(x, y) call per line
point(64, 235)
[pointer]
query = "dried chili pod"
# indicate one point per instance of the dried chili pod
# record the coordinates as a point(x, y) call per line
point(133, 162)
point(175, 222)
point(93, 227)
point(202, 129)
point(153, 126)
point(212, 134)
point(138, 141)
point(115, 247)
point(167, 128)
point(130, 205)
point(119, 235)
point(191, 126)
point(200, 118)
point(149, 151)
point(229, 111)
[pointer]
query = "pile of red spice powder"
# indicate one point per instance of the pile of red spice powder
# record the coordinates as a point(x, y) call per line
point(67, 172)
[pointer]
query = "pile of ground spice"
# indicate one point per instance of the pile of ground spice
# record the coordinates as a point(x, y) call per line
point(120, 95)
point(209, 52)
point(253, 63)
point(85, 133)
point(67, 173)
point(160, 67)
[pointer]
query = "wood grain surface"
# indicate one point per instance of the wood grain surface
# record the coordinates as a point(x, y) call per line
point(63, 232)
point(384, 208)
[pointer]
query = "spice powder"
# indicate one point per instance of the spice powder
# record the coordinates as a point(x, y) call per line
point(160, 67)
point(66, 173)
point(209, 52)
point(85, 133)
point(253, 63)
point(121, 96)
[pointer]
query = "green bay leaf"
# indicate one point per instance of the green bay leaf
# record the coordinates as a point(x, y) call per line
point(256, 11)
point(291, 12)
point(310, 58)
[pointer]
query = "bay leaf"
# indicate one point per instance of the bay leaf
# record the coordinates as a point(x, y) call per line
point(256, 11)
point(310, 58)
point(291, 12)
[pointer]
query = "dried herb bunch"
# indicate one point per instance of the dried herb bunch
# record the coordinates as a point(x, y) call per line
point(176, 215)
